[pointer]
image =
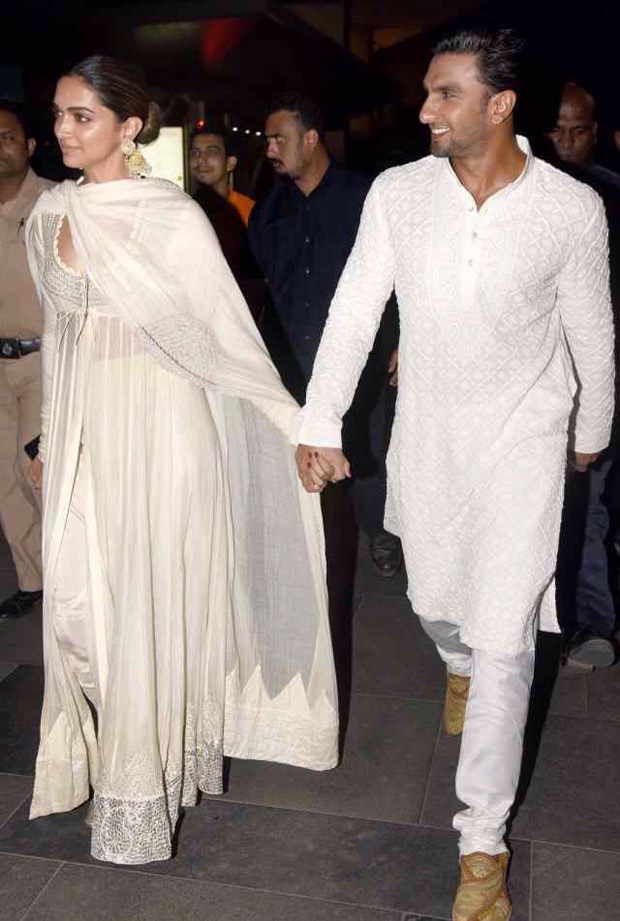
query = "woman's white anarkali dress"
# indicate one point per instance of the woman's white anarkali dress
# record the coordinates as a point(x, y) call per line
point(184, 577)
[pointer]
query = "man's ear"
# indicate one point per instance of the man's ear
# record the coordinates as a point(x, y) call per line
point(231, 164)
point(31, 146)
point(502, 106)
point(311, 137)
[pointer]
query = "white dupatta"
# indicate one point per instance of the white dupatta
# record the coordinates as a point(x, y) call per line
point(153, 256)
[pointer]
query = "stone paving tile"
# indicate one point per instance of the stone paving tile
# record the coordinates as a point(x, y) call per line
point(387, 756)
point(392, 654)
point(20, 713)
point(377, 864)
point(570, 696)
point(14, 789)
point(573, 797)
point(103, 894)
point(571, 884)
point(6, 668)
point(21, 640)
point(62, 836)
point(603, 688)
point(21, 881)
point(573, 794)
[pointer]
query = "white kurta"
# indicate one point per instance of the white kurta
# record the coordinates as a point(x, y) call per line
point(496, 307)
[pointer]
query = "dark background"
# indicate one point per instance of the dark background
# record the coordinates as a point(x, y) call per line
point(226, 59)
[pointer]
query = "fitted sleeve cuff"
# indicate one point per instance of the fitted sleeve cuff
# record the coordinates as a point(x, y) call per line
point(592, 440)
point(320, 432)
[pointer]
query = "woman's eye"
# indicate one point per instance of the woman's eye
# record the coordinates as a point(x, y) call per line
point(82, 118)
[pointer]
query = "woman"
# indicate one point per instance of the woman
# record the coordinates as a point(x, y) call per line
point(184, 582)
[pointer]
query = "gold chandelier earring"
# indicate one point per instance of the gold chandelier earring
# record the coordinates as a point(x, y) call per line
point(135, 162)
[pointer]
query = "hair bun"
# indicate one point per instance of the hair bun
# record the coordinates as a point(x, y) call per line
point(150, 129)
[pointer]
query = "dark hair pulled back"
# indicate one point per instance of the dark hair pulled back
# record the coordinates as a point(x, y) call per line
point(499, 52)
point(122, 89)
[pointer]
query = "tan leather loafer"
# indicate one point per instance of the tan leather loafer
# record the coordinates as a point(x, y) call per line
point(482, 894)
point(457, 692)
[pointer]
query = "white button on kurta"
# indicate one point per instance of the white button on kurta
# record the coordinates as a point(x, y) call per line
point(490, 328)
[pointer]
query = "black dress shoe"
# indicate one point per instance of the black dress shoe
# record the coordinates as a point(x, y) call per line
point(19, 604)
point(386, 554)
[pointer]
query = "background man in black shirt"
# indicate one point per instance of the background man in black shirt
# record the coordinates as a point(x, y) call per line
point(585, 602)
point(301, 234)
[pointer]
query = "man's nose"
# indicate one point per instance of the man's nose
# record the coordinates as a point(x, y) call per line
point(426, 113)
point(565, 140)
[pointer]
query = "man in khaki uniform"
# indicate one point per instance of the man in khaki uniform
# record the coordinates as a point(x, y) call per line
point(21, 326)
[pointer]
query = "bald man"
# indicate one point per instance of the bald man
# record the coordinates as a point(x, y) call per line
point(574, 133)
point(585, 603)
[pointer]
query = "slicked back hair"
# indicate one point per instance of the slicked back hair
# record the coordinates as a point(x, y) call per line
point(499, 54)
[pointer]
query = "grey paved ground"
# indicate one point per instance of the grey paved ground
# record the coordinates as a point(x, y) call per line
point(370, 841)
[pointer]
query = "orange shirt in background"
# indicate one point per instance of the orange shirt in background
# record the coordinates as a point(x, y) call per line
point(241, 203)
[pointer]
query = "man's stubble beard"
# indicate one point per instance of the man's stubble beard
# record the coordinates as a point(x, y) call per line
point(453, 149)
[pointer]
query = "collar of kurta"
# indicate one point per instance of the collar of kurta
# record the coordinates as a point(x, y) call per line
point(509, 189)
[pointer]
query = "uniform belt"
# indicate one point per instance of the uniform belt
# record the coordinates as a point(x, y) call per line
point(15, 348)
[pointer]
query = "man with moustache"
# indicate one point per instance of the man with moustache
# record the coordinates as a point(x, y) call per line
point(301, 234)
point(21, 326)
point(500, 267)
point(585, 601)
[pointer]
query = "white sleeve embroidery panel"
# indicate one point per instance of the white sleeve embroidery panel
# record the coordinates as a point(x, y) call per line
point(584, 303)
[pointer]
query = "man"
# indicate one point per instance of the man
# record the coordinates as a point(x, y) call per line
point(212, 164)
point(575, 132)
point(585, 602)
point(301, 235)
point(21, 325)
point(499, 261)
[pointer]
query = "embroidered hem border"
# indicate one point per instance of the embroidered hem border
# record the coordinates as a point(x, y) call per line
point(140, 831)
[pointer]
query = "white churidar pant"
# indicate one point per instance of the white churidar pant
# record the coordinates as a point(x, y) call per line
point(492, 743)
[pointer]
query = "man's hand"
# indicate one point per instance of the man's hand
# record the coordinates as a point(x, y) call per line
point(319, 466)
point(34, 472)
point(393, 368)
point(580, 462)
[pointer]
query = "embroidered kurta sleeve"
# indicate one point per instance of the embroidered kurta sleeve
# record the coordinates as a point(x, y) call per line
point(585, 308)
point(364, 287)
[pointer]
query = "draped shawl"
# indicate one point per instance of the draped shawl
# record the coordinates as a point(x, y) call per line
point(154, 258)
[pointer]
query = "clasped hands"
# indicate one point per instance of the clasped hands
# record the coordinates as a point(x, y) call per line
point(319, 466)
